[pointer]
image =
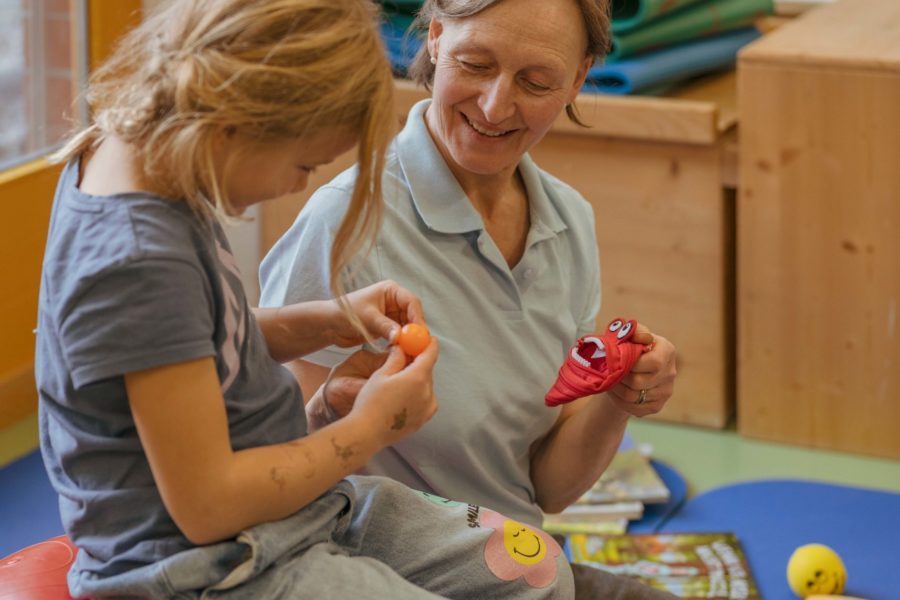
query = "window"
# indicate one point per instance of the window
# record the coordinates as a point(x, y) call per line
point(40, 73)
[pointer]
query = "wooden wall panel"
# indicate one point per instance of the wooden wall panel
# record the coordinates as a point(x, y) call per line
point(25, 192)
point(819, 233)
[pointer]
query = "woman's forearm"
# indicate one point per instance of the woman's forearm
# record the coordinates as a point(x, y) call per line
point(318, 413)
point(570, 459)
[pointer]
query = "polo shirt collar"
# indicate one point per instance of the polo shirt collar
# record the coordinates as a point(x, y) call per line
point(544, 214)
point(440, 200)
point(437, 196)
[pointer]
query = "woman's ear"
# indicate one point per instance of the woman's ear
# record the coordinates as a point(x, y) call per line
point(580, 76)
point(435, 29)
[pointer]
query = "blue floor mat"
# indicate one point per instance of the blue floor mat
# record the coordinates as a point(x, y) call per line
point(773, 518)
point(29, 512)
point(656, 515)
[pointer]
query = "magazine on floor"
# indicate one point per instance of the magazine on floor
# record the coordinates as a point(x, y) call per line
point(689, 565)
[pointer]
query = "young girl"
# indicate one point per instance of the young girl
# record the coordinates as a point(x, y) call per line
point(177, 442)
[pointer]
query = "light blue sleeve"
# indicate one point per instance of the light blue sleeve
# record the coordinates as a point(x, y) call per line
point(588, 249)
point(296, 269)
point(588, 322)
point(584, 295)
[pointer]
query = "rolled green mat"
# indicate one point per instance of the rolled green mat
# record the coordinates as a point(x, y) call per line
point(409, 6)
point(628, 14)
point(702, 19)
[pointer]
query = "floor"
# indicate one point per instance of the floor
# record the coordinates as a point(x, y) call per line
point(706, 458)
point(711, 458)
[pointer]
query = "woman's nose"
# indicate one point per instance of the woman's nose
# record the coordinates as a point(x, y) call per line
point(497, 102)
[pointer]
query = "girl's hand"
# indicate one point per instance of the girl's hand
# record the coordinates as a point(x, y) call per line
point(649, 385)
point(382, 308)
point(399, 397)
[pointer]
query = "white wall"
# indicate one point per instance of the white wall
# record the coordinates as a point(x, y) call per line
point(244, 238)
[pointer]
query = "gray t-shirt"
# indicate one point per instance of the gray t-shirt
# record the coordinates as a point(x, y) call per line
point(504, 331)
point(132, 282)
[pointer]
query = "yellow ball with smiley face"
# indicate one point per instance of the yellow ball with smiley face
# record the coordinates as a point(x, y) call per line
point(816, 569)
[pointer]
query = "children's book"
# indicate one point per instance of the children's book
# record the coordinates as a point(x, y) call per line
point(616, 526)
point(598, 512)
point(629, 477)
point(689, 565)
point(610, 518)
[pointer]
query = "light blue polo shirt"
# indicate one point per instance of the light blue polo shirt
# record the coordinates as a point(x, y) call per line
point(504, 331)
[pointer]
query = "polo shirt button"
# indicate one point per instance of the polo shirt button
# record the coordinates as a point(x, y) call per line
point(528, 274)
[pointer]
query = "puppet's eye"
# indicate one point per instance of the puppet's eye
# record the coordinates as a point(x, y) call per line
point(615, 325)
point(624, 331)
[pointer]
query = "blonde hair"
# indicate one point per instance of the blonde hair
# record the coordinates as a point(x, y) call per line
point(271, 69)
point(595, 16)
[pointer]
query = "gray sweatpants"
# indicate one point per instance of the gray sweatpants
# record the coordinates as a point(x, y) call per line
point(370, 537)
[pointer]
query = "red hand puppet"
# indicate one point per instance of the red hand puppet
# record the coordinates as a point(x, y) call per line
point(596, 363)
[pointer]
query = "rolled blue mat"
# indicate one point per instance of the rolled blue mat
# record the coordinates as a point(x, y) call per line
point(666, 66)
point(401, 46)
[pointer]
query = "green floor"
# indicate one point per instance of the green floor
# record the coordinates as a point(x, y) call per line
point(706, 458)
point(709, 458)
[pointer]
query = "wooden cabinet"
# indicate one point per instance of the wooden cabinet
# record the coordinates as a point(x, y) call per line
point(653, 169)
point(819, 231)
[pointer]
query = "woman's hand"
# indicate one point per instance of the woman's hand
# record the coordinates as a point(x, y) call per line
point(382, 308)
point(399, 398)
point(346, 380)
point(649, 385)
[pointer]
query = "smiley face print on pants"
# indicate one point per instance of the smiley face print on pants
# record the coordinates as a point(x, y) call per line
point(517, 550)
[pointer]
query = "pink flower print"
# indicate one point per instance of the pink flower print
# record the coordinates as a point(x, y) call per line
point(516, 550)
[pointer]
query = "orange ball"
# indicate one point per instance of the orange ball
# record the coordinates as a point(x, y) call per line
point(413, 339)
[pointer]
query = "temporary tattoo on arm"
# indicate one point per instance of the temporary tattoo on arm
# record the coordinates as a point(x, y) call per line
point(345, 453)
point(277, 475)
point(309, 469)
point(399, 420)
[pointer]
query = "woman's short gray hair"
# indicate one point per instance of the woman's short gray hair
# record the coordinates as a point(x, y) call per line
point(595, 15)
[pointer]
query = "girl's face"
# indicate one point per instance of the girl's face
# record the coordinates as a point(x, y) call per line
point(256, 171)
point(502, 77)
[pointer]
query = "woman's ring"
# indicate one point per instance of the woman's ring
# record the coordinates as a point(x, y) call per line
point(642, 397)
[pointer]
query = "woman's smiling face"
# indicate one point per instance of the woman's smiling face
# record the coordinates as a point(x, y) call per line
point(501, 79)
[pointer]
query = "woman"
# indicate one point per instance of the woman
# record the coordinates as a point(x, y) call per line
point(502, 255)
